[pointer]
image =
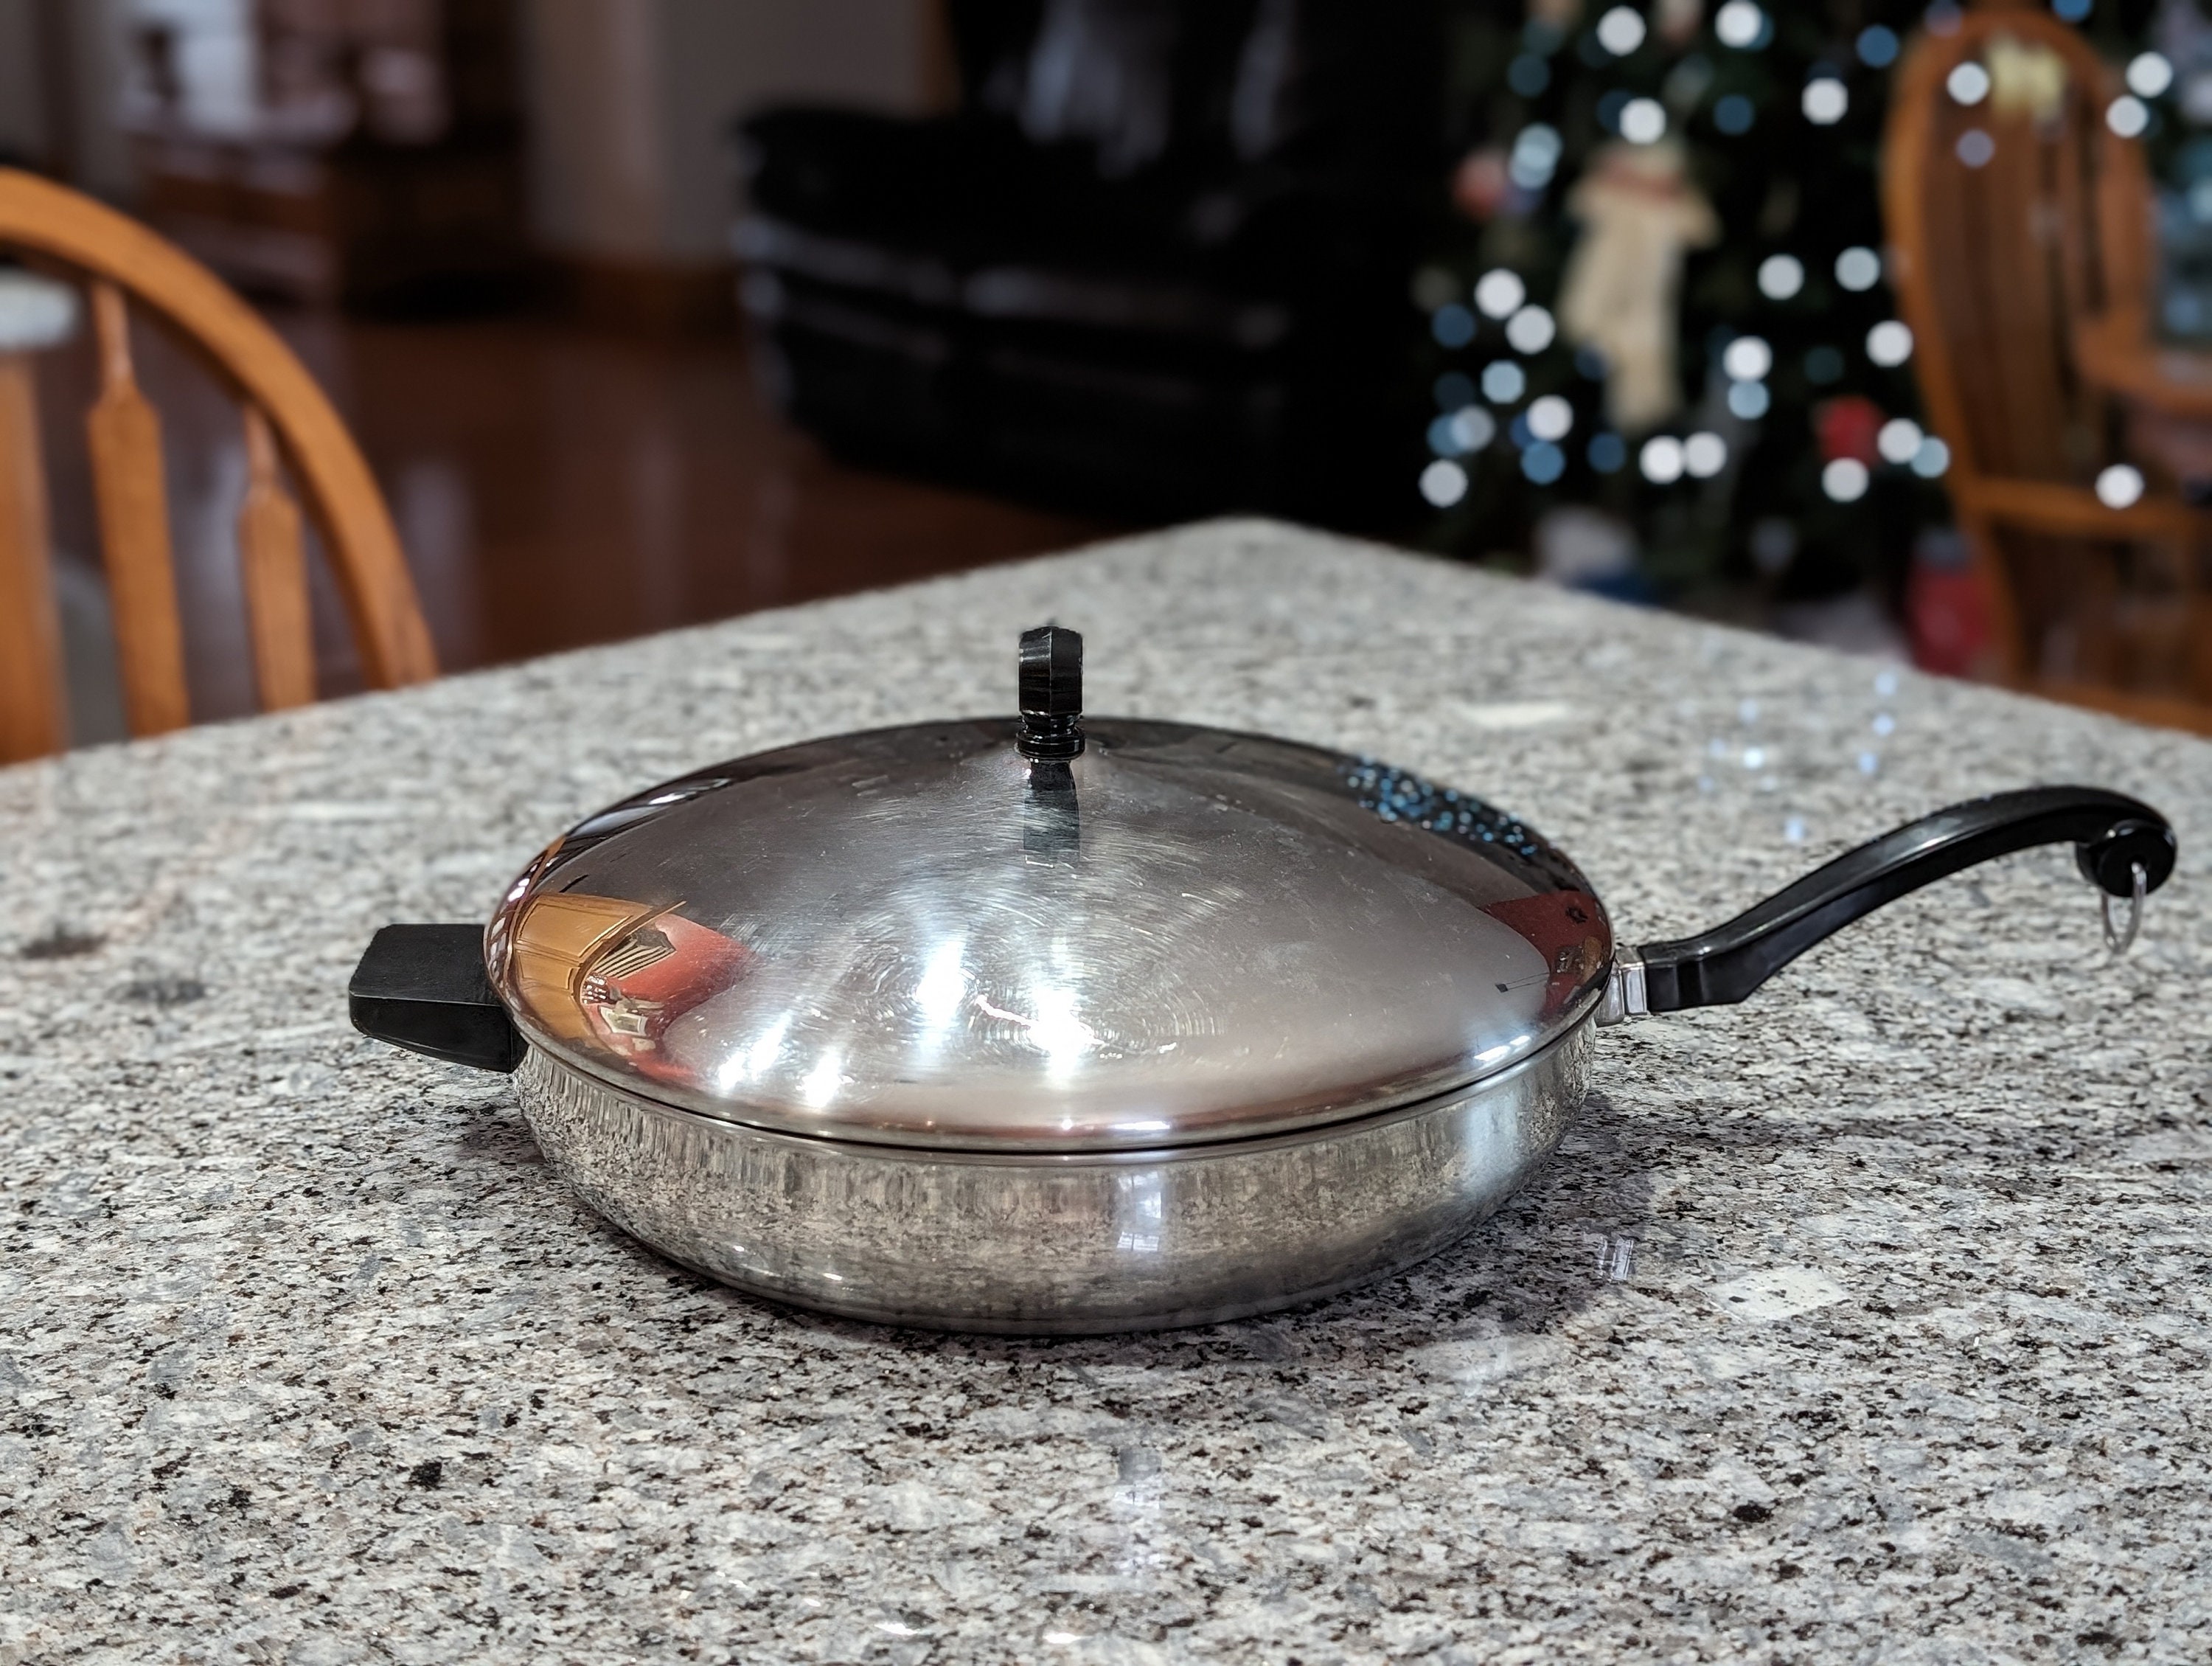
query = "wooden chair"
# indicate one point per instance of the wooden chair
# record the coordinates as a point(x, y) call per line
point(291, 427)
point(2002, 252)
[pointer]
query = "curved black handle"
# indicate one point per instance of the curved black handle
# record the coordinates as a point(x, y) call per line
point(424, 988)
point(2114, 835)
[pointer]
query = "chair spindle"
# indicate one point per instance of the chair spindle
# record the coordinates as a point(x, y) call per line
point(33, 710)
point(130, 491)
point(275, 570)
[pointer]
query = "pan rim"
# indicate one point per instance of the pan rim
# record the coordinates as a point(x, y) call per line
point(1095, 1156)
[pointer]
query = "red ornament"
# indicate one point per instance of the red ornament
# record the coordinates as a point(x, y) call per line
point(1846, 427)
point(1480, 184)
point(1947, 609)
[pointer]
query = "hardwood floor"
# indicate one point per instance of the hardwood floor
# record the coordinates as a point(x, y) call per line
point(553, 487)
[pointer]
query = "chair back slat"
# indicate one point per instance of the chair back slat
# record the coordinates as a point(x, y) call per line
point(130, 493)
point(2012, 219)
point(34, 710)
point(297, 443)
point(275, 566)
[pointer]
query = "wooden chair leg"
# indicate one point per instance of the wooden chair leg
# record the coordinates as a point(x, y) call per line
point(34, 708)
point(2197, 597)
point(276, 569)
point(130, 493)
point(2007, 631)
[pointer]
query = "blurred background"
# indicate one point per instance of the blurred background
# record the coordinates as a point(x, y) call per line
point(1881, 325)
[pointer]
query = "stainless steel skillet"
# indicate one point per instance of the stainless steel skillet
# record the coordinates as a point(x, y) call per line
point(1055, 1024)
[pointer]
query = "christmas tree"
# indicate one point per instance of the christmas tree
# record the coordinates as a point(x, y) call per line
point(1661, 349)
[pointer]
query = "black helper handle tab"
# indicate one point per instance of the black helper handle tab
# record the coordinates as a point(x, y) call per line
point(424, 988)
point(2114, 835)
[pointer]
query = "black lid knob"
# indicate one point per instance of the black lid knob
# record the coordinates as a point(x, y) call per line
point(1051, 693)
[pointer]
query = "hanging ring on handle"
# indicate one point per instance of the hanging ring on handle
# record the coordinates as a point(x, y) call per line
point(2116, 939)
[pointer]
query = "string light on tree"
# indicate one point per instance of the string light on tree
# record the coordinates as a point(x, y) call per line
point(1473, 428)
point(1824, 101)
point(1899, 440)
point(1780, 276)
point(2149, 75)
point(1739, 24)
point(1889, 343)
point(1543, 462)
point(1621, 31)
point(1643, 121)
point(1968, 83)
point(2120, 486)
point(1499, 292)
point(2127, 116)
point(1503, 381)
point(1444, 484)
point(1844, 479)
point(1463, 432)
point(1660, 459)
point(1536, 158)
point(1749, 359)
point(1530, 330)
point(1452, 325)
point(1858, 268)
point(1551, 418)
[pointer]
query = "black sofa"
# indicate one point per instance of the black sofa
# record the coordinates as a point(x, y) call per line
point(1154, 263)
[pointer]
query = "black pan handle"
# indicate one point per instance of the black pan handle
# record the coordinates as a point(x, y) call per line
point(424, 988)
point(2112, 835)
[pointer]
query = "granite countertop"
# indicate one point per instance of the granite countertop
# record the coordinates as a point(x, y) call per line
point(1866, 1322)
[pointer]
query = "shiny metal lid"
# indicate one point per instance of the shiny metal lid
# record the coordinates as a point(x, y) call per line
point(1045, 935)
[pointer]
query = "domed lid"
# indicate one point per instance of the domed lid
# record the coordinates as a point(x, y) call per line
point(1047, 935)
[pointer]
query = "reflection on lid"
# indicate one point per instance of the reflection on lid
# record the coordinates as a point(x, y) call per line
point(599, 968)
point(820, 1084)
point(1054, 1030)
point(1399, 795)
point(1565, 927)
point(943, 988)
point(750, 1062)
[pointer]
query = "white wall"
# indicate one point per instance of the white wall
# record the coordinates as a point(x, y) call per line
point(218, 57)
point(631, 102)
point(96, 51)
point(596, 161)
point(216, 73)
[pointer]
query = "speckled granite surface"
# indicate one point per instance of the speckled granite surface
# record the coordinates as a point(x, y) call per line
point(1865, 1323)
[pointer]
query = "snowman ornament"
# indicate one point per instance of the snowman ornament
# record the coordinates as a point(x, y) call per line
point(1639, 215)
